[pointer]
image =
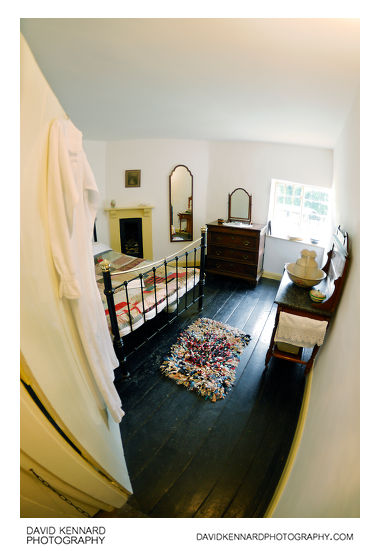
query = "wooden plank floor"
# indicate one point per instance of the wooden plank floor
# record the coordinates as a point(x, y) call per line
point(188, 457)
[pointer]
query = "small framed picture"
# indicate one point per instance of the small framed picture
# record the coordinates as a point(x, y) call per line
point(132, 178)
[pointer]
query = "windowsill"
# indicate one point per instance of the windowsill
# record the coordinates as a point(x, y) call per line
point(305, 241)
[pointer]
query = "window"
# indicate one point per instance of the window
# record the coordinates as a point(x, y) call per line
point(299, 211)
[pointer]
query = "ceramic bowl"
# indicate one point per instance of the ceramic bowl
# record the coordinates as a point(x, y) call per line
point(306, 283)
point(316, 295)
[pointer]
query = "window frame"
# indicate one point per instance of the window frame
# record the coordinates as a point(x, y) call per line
point(280, 231)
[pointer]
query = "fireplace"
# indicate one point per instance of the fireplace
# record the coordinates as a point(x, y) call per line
point(131, 242)
point(141, 212)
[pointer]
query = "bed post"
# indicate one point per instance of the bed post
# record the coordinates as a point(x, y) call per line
point(117, 340)
point(202, 266)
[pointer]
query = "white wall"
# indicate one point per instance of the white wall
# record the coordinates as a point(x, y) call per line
point(49, 339)
point(324, 481)
point(218, 168)
point(96, 153)
point(279, 251)
point(252, 165)
point(156, 159)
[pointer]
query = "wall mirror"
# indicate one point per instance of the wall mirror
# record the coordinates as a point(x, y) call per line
point(181, 204)
point(239, 206)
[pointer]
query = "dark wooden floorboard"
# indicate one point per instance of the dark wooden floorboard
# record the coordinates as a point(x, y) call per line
point(208, 465)
point(187, 402)
point(255, 491)
point(146, 384)
point(189, 457)
point(143, 365)
point(249, 425)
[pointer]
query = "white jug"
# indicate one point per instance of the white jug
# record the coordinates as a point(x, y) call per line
point(306, 266)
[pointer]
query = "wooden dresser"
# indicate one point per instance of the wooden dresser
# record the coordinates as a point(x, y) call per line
point(236, 251)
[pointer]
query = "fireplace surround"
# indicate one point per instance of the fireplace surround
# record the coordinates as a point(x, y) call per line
point(115, 215)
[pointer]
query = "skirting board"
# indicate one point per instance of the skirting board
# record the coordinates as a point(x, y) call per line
point(294, 447)
point(271, 275)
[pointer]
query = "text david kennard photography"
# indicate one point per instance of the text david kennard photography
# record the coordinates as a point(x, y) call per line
point(65, 534)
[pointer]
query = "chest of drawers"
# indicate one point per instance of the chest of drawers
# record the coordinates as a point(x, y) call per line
point(235, 251)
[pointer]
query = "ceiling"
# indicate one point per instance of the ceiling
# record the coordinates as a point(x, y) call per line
point(274, 80)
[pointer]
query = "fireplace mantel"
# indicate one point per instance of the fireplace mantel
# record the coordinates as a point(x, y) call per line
point(145, 208)
point(139, 211)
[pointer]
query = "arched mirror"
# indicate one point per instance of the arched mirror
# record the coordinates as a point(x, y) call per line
point(181, 204)
point(239, 206)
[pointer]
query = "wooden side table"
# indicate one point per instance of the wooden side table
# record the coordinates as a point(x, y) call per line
point(188, 217)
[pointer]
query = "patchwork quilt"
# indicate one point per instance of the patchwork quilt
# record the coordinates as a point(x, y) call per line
point(137, 301)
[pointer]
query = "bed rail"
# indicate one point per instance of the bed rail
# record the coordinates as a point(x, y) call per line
point(119, 342)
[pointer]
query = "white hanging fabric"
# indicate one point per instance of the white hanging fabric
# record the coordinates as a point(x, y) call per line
point(72, 203)
point(300, 330)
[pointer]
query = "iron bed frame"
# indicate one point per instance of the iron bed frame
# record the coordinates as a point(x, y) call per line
point(119, 342)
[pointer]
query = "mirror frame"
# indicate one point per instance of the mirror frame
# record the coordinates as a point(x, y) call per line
point(190, 199)
point(235, 219)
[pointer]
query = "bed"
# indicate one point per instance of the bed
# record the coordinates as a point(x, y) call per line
point(135, 290)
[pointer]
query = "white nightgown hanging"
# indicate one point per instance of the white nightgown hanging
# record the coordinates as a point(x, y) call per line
point(72, 203)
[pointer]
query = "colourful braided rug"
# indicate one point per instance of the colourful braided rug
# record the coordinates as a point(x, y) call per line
point(205, 357)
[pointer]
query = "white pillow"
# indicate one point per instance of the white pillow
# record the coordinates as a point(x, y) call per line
point(98, 248)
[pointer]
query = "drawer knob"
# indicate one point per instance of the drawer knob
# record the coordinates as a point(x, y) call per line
point(245, 257)
point(246, 243)
point(218, 253)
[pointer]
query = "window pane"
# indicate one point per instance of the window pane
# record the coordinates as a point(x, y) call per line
point(287, 207)
point(299, 210)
